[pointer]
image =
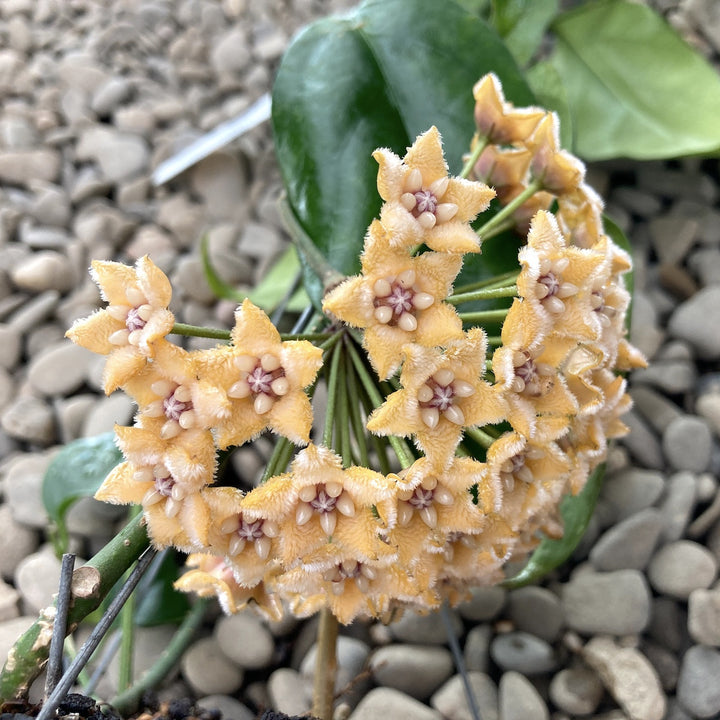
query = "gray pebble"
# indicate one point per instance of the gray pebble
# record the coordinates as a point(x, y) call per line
point(642, 443)
point(23, 489)
point(451, 702)
point(698, 688)
point(537, 611)
point(630, 543)
point(425, 629)
point(708, 407)
point(30, 419)
point(23, 167)
point(208, 671)
point(678, 505)
point(673, 236)
point(35, 311)
point(617, 603)
point(671, 376)
point(9, 602)
point(60, 370)
point(10, 346)
point(485, 604)
point(12, 629)
point(668, 624)
point(628, 676)
point(681, 567)
point(519, 700)
point(576, 690)
point(704, 616)
point(632, 490)
point(106, 413)
point(689, 322)
point(417, 670)
point(664, 661)
point(289, 691)
point(477, 648)
point(245, 640)
point(687, 443)
point(655, 408)
point(44, 270)
point(17, 541)
point(36, 579)
point(644, 331)
point(705, 264)
point(230, 708)
point(386, 702)
point(522, 652)
point(119, 155)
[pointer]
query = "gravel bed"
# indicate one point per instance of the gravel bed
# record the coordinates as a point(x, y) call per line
point(92, 97)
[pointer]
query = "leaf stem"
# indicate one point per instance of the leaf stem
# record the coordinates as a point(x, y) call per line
point(199, 331)
point(483, 294)
point(325, 666)
point(485, 316)
point(495, 281)
point(355, 389)
point(332, 383)
point(342, 421)
point(480, 436)
point(127, 701)
point(506, 211)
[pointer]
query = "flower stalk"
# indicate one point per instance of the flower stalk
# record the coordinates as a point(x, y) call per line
point(325, 666)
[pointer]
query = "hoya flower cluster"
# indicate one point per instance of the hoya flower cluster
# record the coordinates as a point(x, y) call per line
point(499, 436)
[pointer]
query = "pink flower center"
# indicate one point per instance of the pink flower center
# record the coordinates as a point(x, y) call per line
point(174, 408)
point(421, 498)
point(426, 202)
point(134, 321)
point(400, 299)
point(250, 530)
point(260, 380)
point(552, 282)
point(322, 502)
point(442, 397)
point(165, 485)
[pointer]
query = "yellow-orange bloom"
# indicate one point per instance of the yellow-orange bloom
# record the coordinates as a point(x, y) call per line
point(442, 392)
point(211, 576)
point(263, 380)
point(497, 120)
point(423, 204)
point(136, 317)
point(398, 299)
point(166, 478)
point(319, 502)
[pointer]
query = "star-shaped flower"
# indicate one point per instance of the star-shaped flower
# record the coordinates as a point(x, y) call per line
point(136, 317)
point(166, 478)
point(442, 392)
point(319, 502)
point(211, 576)
point(263, 379)
point(557, 279)
point(423, 204)
point(499, 121)
point(398, 299)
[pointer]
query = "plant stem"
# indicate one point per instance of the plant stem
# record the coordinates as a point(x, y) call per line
point(325, 666)
point(506, 211)
point(199, 331)
point(480, 437)
point(483, 294)
point(495, 281)
point(484, 316)
point(126, 702)
point(358, 428)
point(332, 383)
point(278, 460)
point(403, 452)
point(127, 628)
point(312, 337)
point(481, 144)
point(91, 583)
point(494, 340)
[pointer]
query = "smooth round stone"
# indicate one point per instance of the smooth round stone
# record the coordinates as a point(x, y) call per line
point(23, 489)
point(10, 346)
point(44, 270)
point(388, 703)
point(704, 616)
point(289, 692)
point(668, 624)
point(485, 604)
point(576, 690)
point(425, 629)
point(698, 689)
point(17, 541)
point(11, 630)
point(632, 490)
point(245, 640)
point(617, 603)
point(537, 611)
point(665, 662)
point(37, 578)
point(9, 602)
point(417, 670)
point(208, 671)
point(29, 419)
point(450, 700)
point(690, 322)
point(678, 505)
point(519, 700)
point(523, 653)
point(477, 648)
point(681, 567)
point(228, 706)
point(60, 370)
point(629, 677)
point(642, 443)
point(687, 443)
point(118, 409)
point(629, 544)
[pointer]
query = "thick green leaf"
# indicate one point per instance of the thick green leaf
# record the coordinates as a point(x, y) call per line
point(77, 471)
point(576, 512)
point(377, 77)
point(158, 601)
point(635, 88)
point(522, 24)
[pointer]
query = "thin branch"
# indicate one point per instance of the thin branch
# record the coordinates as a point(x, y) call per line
point(62, 608)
